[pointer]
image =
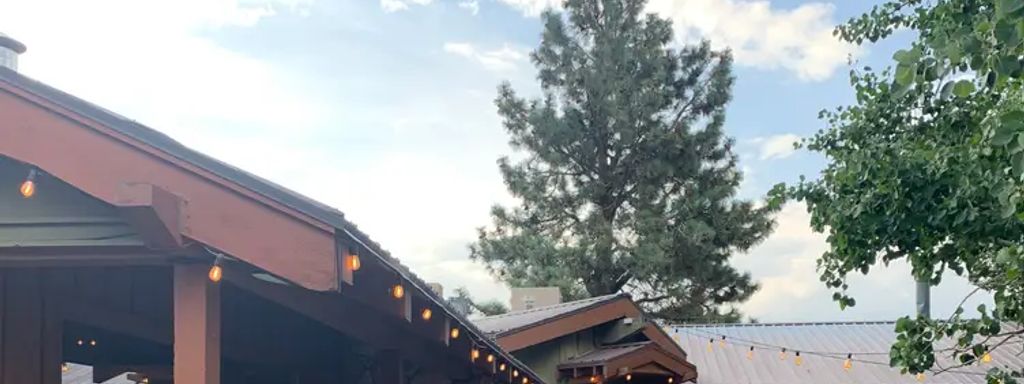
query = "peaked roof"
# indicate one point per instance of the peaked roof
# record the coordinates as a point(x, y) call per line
point(516, 320)
point(825, 347)
point(277, 193)
point(605, 353)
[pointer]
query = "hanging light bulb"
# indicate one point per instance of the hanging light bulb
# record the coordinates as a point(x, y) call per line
point(474, 354)
point(426, 314)
point(711, 345)
point(515, 373)
point(490, 358)
point(501, 367)
point(798, 360)
point(526, 381)
point(454, 333)
point(629, 377)
point(750, 353)
point(353, 261)
point(721, 343)
point(671, 380)
point(65, 367)
point(920, 377)
point(28, 187)
point(216, 270)
point(849, 362)
point(593, 379)
point(986, 358)
point(398, 291)
point(782, 354)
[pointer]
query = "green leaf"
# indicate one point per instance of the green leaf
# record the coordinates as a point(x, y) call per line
point(905, 74)
point(1010, 124)
point(907, 57)
point(963, 88)
point(1009, 6)
point(1018, 164)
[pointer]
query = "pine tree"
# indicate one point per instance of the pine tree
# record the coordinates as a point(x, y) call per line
point(627, 181)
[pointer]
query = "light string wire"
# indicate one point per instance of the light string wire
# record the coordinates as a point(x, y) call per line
point(702, 334)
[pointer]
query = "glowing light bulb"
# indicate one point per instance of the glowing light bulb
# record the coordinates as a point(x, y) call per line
point(671, 380)
point(593, 379)
point(490, 358)
point(711, 345)
point(515, 373)
point(92, 343)
point(398, 291)
point(28, 188)
point(216, 273)
point(475, 354)
point(920, 377)
point(501, 367)
point(426, 314)
point(80, 342)
point(354, 263)
point(454, 333)
point(848, 363)
point(721, 343)
point(629, 377)
point(526, 381)
point(65, 367)
point(798, 360)
point(986, 358)
point(750, 354)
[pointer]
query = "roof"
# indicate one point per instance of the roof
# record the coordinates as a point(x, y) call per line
point(824, 348)
point(82, 374)
point(605, 354)
point(266, 188)
point(516, 320)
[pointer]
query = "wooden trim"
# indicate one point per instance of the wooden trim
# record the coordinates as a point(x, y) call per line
point(222, 214)
point(574, 322)
point(154, 212)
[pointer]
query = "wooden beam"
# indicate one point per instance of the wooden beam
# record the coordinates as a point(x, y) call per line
point(157, 214)
point(197, 325)
point(101, 257)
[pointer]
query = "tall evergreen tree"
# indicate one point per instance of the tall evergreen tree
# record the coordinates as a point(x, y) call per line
point(627, 181)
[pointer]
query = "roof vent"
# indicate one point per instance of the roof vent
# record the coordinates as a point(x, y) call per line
point(9, 51)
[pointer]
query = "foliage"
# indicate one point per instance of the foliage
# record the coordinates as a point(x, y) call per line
point(927, 167)
point(627, 181)
point(464, 300)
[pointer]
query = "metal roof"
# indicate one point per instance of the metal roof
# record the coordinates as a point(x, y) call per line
point(271, 190)
point(515, 320)
point(604, 354)
point(82, 374)
point(824, 347)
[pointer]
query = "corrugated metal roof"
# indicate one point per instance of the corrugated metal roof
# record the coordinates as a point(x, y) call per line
point(824, 347)
point(604, 354)
point(511, 321)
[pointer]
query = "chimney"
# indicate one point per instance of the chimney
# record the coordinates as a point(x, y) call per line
point(9, 51)
point(524, 298)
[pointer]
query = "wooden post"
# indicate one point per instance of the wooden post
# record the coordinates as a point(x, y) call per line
point(31, 331)
point(196, 326)
point(387, 368)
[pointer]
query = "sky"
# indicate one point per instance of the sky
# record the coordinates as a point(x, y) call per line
point(384, 109)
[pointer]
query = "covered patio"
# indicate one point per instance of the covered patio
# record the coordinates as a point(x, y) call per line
point(123, 250)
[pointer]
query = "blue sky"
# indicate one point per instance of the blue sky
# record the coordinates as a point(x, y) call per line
point(383, 108)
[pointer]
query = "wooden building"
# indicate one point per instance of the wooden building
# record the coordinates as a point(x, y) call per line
point(596, 340)
point(125, 251)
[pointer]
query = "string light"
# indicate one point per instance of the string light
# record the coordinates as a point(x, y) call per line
point(501, 367)
point(515, 373)
point(92, 343)
point(798, 360)
point(474, 354)
point(750, 353)
point(782, 354)
point(721, 342)
point(671, 379)
point(454, 333)
point(28, 188)
point(490, 358)
point(526, 381)
point(629, 377)
point(65, 367)
point(80, 342)
point(398, 291)
point(353, 261)
point(711, 345)
point(426, 314)
point(920, 377)
point(216, 271)
point(987, 357)
point(849, 362)
point(593, 379)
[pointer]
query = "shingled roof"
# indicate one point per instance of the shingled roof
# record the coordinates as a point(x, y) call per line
point(825, 346)
point(516, 320)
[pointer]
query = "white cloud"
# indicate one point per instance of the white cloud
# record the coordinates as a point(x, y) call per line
point(776, 147)
point(798, 40)
point(503, 59)
point(473, 6)
point(401, 5)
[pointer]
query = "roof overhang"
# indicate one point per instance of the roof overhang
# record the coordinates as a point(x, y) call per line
point(649, 359)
